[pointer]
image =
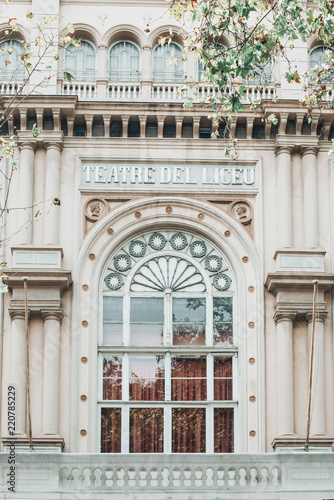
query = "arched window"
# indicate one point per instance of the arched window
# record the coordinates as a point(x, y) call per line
point(80, 61)
point(167, 63)
point(167, 347)
point(11, 64)
point(124, 62)
point(318, 57)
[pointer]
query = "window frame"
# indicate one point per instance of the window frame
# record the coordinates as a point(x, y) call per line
point(137, 76)
point(167, 76)
point(81, 75)
point(17, 73)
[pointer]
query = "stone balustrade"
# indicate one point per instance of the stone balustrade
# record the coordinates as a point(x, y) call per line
point(85, 91)
point(262, 476)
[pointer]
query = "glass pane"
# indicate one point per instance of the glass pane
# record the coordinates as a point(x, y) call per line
point(147, 310)
point(112, 320)
point(188, 430)
point(223, 379)
point(223, 309)
point(189, 321)
point(223, 321)
point(189, 310)
point(147, 318)
point(113, 309)
point(224, 430)
point(146, 430)
point(189, 379)
point(112, 378)
point(111, 430)
point(147, 378)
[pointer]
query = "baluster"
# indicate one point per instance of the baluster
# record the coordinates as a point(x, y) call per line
point(120, 475)
point(153, 480)
point(248, 476)
point(126, 477)
point(103, 477)
point(237, 477)
point(231, 476)
point(91, 476)
point(198, 477)
point(110, 474)
point(220, 476)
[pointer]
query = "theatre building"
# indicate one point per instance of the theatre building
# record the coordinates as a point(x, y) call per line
point(169, 291)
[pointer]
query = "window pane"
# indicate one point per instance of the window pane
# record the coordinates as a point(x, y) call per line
point(223, 379)
point(189, 379)
point(189, 317)
point(223, 321)
point(146, 430)
point(112, 378)
point(147, 378)
point(147, 318)
point(112, 320)
point(224, 430)
point(188, 430)
point(111, 430)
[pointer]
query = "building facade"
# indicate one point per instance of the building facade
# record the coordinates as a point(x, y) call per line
point(170, 292)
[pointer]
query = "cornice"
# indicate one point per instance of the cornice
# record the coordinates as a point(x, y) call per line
point(284, 280)
point(39, 278)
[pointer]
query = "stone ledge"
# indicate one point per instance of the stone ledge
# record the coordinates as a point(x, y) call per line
point(39, 278)
point(298, 443)
point(38, 443)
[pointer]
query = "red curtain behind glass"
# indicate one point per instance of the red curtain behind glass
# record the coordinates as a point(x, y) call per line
point(146, 430)
point(188, 430)
point(189, 379)
point(224, 430)
point(112, 378)
point(223, 379)
point(111, 430)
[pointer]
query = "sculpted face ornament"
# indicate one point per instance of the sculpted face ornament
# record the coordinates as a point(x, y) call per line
point(96, 208)
point(241, 212)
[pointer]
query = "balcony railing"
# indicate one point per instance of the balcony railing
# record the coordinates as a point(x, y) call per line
point(170, 92)
point(10, 88)
point(146, 477)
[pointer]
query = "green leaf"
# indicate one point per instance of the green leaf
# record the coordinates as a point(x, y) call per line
point(36, 131)
point(68, 77)
point(70, 28)
point(3, 288)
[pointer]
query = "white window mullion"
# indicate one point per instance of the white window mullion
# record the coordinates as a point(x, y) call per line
point(126, 320)
point(209, 321)
point(125, 429)
point(125, 377)
point(235, 395)
point(168, 377)
point(168, 429)
point(209, 430)
point(168, 324)
point(100, 379)
point(209, 376)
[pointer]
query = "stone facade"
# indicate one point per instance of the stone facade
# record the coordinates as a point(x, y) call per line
point(128, 162)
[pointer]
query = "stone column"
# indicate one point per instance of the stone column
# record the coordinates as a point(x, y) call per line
point(52, 321)
point(26, 188)
point(19, 370)
point(284, 367)
point(310, 187)
point(52, 190)
point(284, 195)
point(146, 74)
point(318, 405)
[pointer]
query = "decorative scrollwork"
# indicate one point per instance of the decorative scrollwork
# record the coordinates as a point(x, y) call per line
point(167, 273)
point(213, 263)
point(178, 241)
point(114, 281)
point(137, 248)
point(157, 241)
point(222, 282)
point(122, 262)
point(198, 249)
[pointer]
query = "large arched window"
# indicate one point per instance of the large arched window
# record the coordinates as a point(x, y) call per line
point(80, 61)
point(124, 62)
point(11, 64)
point(318, 57)
point(167, 63)
point(167, 347)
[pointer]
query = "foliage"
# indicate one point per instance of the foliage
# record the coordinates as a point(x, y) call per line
point(238, 40)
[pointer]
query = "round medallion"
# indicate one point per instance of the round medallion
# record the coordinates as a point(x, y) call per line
point(114, 281)
point(198, 249)
point(213, 263)
point(221, 282)
point(137, 248)
point(178, 241)
point(157, 241)
point(122, 262)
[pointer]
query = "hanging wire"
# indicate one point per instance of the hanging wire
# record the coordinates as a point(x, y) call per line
point(315, 292)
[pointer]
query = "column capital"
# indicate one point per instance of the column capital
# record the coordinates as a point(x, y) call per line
point(287, 316)
point(56, 315)
point(17, 314)
point(319, 316)
point(309, 150)
point(54, 145)
point(27, 145)
point(284, 148)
